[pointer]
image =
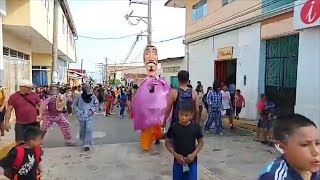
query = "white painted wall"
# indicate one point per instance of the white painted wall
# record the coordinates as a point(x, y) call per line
point(173, 63)
point(201, 62)
point(2, 78)
point(247, 48)
point(308, 77)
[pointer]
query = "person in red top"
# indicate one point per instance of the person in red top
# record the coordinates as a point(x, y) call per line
point(262, 125)
point(28, 109)
point(239, 103)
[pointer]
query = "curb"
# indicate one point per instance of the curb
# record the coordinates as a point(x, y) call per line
point(250, 126)
point(6, 148)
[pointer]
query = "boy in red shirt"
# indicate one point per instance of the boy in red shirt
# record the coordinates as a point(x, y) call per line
point(239, 103)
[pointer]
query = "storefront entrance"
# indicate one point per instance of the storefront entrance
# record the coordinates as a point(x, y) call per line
point(226, 71)
point(281, 72)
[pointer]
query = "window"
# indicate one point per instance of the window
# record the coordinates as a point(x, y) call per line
point(200, 10)
point(14, 53)
point(63, 25)
point(225, 2)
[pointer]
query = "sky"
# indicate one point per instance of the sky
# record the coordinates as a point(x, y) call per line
point(105, 19)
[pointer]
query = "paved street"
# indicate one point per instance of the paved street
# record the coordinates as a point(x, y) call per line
point(108, 130)
point(116, 155)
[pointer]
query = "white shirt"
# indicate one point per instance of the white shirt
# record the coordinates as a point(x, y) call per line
point(226, 99)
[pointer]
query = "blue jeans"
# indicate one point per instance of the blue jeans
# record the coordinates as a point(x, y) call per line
point(122, 108)
point(178, 173)
point(86, 130)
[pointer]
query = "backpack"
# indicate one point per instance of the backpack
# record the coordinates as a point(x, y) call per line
point(183, 97)
point(12, 173)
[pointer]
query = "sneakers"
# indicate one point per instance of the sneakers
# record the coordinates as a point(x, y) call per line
point(157, 142)
point(86, 148)
point(121, 116)
point(231, 126)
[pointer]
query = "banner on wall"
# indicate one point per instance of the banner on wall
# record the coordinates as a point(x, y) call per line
point(306, 14)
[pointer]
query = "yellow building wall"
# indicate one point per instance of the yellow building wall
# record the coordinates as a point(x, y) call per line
point(18, 12)
point(42, 18)
point(39, 59)
point(14, 42)
point(278, 26)
point(218, 14)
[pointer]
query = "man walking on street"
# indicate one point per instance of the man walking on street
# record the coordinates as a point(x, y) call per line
point(214, 100)
point(182, 95)
point(28, 109)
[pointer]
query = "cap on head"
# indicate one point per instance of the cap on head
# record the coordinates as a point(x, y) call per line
point(25, 83)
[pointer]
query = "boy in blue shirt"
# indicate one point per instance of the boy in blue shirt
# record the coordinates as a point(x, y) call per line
point(298, 138)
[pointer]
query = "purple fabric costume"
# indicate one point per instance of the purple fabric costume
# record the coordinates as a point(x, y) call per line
point(149, 103)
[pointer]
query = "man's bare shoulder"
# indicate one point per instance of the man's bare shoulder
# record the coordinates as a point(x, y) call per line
point(194, 94)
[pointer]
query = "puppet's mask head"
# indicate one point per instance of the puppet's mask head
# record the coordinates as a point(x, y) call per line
point(150, 57)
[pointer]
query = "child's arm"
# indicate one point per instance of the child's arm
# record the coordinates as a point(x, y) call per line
point(196, 151)
point(244, 102)
point(199, 145)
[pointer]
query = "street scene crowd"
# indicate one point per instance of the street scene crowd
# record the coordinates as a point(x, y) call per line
point(37, 108)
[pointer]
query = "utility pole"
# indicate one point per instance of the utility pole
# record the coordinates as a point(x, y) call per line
point(81, 69)
point(145, 19)
point(54, 73)
point(149, 23)
point(106, 71)
point(115, 72)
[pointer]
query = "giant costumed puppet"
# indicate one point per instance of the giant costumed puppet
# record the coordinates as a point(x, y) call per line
point(150, 101)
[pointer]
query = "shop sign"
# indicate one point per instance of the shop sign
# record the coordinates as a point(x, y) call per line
point(225, 53)
point(306, 14)
point(171, 69)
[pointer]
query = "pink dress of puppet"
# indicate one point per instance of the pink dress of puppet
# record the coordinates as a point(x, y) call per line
point(150, 101)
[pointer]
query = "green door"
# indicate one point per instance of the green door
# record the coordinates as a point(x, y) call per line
point(281, 72)
point(174, 82)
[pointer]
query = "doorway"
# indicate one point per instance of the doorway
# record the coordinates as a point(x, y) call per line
point(174, 82)
point(226, 71)
point(281, 72)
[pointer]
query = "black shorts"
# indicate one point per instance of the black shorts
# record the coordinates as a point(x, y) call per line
point(19, 129)
point(2, 115)
point(229, 112)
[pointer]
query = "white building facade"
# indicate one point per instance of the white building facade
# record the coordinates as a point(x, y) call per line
point(2, 13)
point(245, 46)
point(308, 76)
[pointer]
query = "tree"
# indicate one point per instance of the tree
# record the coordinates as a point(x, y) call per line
point(115, 82)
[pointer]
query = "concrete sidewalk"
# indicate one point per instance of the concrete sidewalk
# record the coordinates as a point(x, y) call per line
point(112, 162)
point(222, 158)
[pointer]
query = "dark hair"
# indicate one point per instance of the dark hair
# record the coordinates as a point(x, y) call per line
point(198, 88)
point(135, 86)
point(283, 127)
point(100, 85)
point(32, 133)
point(62, 90)
point(186, 107)
point(238, 90)
point(183, 76)
point(262, 96)
point(216, 85)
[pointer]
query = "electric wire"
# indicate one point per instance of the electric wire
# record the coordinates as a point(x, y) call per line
point(112, 38)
